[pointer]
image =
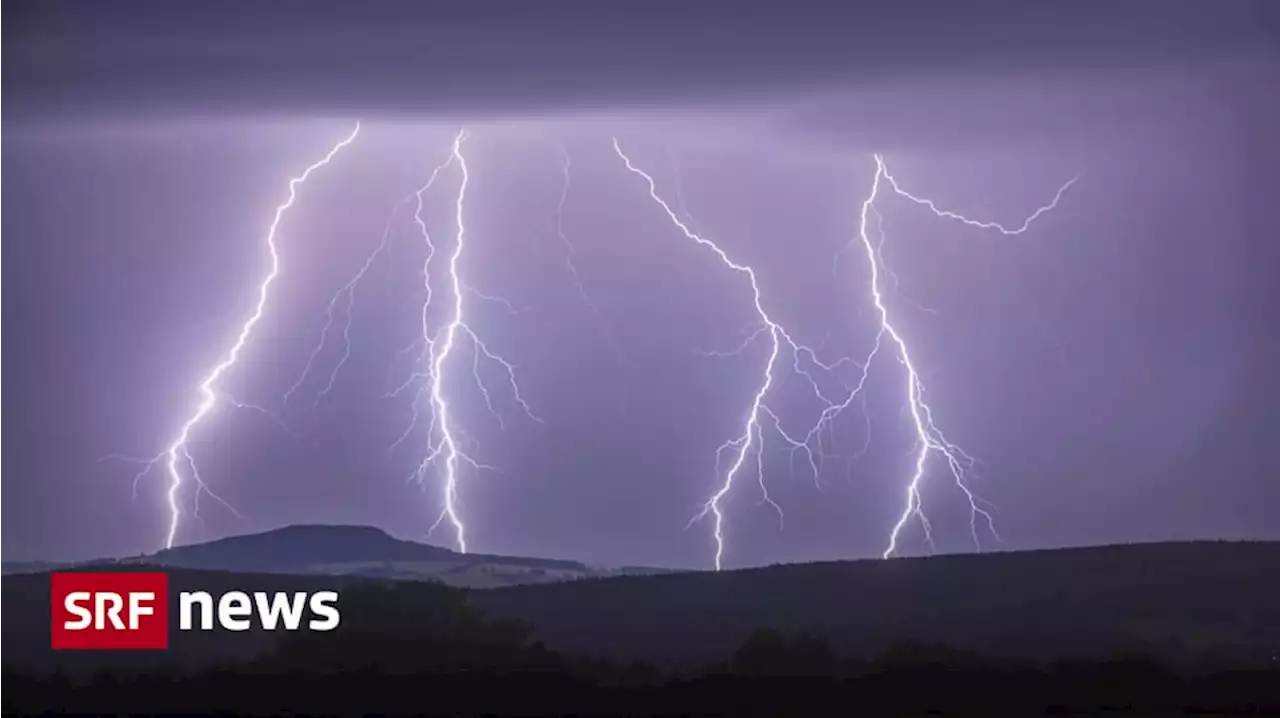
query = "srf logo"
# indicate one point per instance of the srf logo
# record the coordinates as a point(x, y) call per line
point(130, 611)
point(110, 611)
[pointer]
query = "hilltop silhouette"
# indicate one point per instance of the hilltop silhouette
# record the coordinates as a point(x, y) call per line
point(351, 550)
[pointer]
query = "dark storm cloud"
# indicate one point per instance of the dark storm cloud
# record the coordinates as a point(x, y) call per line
point(75, 58)
point(1138, 105)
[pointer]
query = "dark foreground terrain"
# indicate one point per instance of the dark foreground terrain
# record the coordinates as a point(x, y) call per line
point(1128, 687)
point(1192, 604)
point(1187, 603)
point(1133, 630)
point(425, 650)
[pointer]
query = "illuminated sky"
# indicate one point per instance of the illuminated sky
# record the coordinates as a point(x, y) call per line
point(1112, 368)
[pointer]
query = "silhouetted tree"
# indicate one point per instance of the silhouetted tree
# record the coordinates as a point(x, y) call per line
point(762, 653)
point(913, 654)
point(768, 652)
point(809, 654)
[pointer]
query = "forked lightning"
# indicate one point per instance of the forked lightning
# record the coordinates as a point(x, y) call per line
point(751, 438)
point(444, 438)
point(447, 446)
point(178, 454)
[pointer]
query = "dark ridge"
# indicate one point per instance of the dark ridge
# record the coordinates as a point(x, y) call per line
point(1049, 602)
point(645, 570)
point(14, 567)
point(296, 548)
point(553, 563)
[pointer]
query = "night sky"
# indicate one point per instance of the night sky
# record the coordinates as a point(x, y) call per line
point(1112, 369)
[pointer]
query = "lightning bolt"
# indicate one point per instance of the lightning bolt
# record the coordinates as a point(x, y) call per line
point(570, 254)
point(348, 292)
point(177, 455)
point(881, 169)
point(423, 339)
point(929, 438)
point(751, 439)
point(445, 440)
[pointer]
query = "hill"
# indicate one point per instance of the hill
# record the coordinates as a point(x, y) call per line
point(1201, 600)
point(357, 551)
point(9, 567)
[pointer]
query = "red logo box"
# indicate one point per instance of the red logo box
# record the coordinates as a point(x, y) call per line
point(109, 611)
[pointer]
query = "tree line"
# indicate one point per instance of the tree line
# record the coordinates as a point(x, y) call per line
point(406, 648)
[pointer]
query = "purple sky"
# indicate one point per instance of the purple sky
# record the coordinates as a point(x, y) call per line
point(1111, 368)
